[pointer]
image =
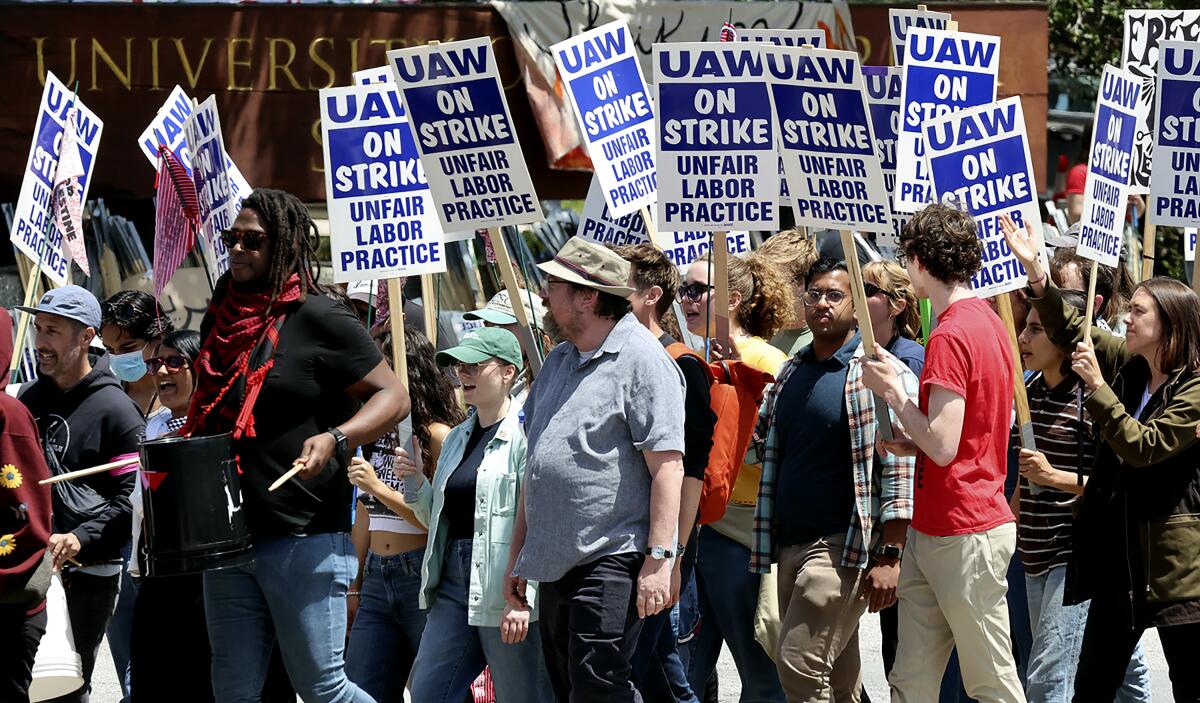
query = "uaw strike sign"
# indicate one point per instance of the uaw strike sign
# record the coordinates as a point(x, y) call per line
point(1175, 171)
point(600, 225)
point(683, 248)
point(381, 218)
point(979, 160)
point(784, 37)
point(717, 163)
point(826, 139)
point(214, 189)
point(33, 228)
point(883, 100)
point(943, 72)
point(1109, 165)
point(604, 81)
point(900, 21)
point(465, 135)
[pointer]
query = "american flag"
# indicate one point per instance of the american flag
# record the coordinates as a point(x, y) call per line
point(728, 32)
point(176, 218)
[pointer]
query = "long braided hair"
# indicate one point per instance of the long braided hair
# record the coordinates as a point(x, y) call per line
point(294, 241)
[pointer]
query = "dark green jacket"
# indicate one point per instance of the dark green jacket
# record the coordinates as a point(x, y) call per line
point(1137, 533)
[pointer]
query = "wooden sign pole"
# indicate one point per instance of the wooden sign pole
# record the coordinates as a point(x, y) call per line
point(1148, 239)
point(396, 321)
point(504, 263)
point(1090, 311)
point(859, 295)
point(720, 297)
point(429, 298)
point(1024, 422)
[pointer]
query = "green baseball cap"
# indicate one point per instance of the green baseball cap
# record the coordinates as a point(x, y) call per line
point(481, 344)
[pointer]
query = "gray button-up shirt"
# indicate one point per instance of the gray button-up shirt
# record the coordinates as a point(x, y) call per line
point(587, 487)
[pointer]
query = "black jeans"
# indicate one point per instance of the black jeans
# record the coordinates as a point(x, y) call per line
point(590, 627)
point(19, 638)
point(170, 609)
point(90, 603)
point(1108, 643)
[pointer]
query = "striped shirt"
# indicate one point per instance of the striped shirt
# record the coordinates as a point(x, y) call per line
point(1044, 533)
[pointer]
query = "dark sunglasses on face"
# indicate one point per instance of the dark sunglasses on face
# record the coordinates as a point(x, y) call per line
point(250, 239)
point(873, 290)
point(693, 291)
point(173, 363)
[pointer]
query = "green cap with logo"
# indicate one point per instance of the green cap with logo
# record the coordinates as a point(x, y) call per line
point(481, 344)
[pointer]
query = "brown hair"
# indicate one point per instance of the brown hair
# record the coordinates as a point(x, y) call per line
point(1179, 312)
point(767, 303)
point(608, 305)
point(650, 267)
point(891, 277)
point(943, 239)
point(792, 252)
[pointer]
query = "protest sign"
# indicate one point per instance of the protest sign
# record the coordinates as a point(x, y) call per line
point(1110, 158)
point(1189, 243)
point(883, 100)
point(168, 128)
point(381, 217)
point(979, 161)
point(218, 209)
point(600, 225)
point(1145, 31)
point(682, 248)
point(716, 155)
point(33, 229)
point(900, 21)
point(784, 37)
point(1175, 182)
point(465, 135)
point(603, 78)
point(827, 143)
point(943, 72)
point(367, 76)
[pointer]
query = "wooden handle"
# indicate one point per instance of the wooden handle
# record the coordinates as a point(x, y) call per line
point(89, 472)
point(509, 277)
point(651, 230)
point(429, 297)
point(859, 295)
point(720, 297)
point(296, 468)
point(396, 321)
point(1024, 422)
point(1148, 241)
point(1091, 304)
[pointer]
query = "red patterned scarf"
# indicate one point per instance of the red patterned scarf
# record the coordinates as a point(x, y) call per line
point(241, 321)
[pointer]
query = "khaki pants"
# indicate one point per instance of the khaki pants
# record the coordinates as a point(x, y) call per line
point(817, 653)
point(952, 594)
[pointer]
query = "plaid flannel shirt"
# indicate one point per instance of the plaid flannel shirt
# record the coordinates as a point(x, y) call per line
point(883, 488)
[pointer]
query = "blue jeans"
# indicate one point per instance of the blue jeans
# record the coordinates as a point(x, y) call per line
point(120, 628)
point(727, 595)
point(294, 589)
point(454, 653)
point(658, 670)
point(387, 627)
point(1057, 640)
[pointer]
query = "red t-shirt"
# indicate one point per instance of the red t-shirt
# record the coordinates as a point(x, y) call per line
point(969, 354)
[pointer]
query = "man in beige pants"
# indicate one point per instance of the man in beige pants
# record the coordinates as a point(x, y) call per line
point(952, 583)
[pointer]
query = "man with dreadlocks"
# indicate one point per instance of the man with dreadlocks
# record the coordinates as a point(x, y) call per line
point(284, 366)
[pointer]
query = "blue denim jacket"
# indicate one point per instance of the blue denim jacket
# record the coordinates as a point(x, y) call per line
point(497, 489)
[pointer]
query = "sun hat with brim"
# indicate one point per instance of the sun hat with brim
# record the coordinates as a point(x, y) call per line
point(71, 302)
point(499, 310)
point(482, 344)
point(592, 265)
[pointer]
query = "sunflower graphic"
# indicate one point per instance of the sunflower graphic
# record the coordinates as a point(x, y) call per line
point(10, 477)
point(8, 545)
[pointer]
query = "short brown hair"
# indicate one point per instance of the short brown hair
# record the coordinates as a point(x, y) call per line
point(650, 267)
point(792, 252)
point(893, 279)
point(1179, 313)
point(943, 239)
point(608, 305)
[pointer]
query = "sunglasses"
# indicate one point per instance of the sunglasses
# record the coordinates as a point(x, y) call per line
point(251, 240)
point(174, 363)
point(693, 291)
point(873, 290)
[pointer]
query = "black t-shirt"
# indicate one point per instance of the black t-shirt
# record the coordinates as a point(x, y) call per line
point(698, 416)
point(323, 350)
point(459, 508)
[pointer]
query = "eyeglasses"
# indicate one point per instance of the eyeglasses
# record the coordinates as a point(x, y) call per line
point(835, 297)
point(173, 363)
point(693, 291)
point(902, 257)
point(471, 369)
point(251, 240)
point(873, 290)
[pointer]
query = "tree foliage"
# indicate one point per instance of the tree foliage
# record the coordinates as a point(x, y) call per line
point(1086, 34)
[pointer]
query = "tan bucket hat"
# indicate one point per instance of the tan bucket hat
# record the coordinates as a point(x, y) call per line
point(592, 265)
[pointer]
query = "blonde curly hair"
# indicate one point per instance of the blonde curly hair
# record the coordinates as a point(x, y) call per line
point(766, 304)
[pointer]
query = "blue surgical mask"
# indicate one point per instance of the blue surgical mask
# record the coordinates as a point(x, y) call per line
point(128, 367)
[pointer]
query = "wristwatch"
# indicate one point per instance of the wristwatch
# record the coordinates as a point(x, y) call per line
point(659, 552)
point(889, 551)
point(340, 438)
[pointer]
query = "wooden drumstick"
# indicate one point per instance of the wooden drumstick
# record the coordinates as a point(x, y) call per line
point(70, 476)
point(297, 467)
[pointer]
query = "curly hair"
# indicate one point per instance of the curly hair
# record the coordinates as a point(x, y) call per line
point(943, 239)
point(893, 279)
point(793, 253)
point(429, 389)
point(767, 304)
point(650, 267)
point(294, 241)
point(136, 312)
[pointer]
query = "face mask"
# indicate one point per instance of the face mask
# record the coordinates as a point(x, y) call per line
point(128, 367)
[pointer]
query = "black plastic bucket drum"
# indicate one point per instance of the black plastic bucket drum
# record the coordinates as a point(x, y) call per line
point(193, 504)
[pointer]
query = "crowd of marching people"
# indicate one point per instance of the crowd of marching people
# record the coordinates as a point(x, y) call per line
point(599, 531)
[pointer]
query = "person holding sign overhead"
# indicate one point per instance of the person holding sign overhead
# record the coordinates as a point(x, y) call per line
point(291, 372)
point(1136, 534)
point(952, 581)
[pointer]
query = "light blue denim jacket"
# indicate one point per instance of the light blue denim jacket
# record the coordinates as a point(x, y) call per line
point(497, 489)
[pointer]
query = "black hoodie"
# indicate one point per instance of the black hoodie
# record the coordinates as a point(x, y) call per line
point(87, 425)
